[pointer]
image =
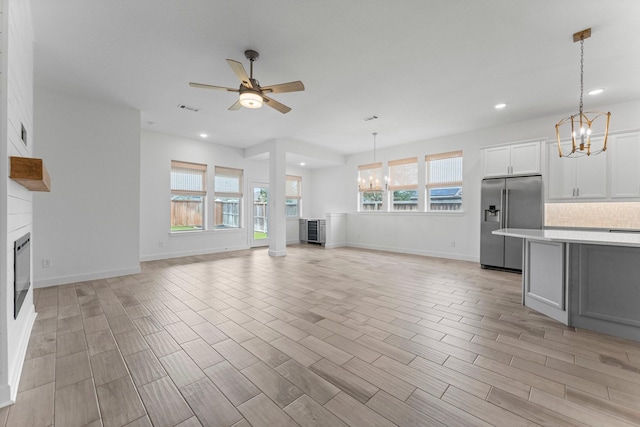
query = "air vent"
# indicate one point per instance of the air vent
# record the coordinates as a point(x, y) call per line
point(369, 118)
point(189, 108)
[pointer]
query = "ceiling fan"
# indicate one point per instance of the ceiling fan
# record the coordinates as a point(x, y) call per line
point(252, 95)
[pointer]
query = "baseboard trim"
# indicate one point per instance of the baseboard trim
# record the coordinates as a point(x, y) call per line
point(74, 278)
point(444, 255)
point(282, 252)
point(335, 245)
point(170, 255)
point(9, 392)
point(5, 396)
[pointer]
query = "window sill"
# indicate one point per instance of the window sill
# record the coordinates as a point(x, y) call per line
point(209, 231)
point(414, 213)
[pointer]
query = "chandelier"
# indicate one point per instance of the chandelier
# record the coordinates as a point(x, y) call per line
point(582, 122)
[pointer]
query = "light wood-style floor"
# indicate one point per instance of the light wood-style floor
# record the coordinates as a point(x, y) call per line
point(319, 337)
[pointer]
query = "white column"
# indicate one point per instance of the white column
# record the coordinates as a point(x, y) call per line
point(277, 200)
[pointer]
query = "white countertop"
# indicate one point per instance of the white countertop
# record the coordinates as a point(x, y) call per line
point(573, 236)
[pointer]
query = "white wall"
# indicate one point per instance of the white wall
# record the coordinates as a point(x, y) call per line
point(16, 202)
point(433, 233)
point(331, 189)
point(88, 225)
point(157, 151)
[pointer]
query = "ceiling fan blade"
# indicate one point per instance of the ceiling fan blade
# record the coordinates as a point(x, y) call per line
point(235, 106)
point(204, 86)
point(239, 71)
point(276, 105)
point(284, 87)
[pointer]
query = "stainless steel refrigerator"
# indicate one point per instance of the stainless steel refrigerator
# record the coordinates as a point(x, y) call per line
point(512, 202)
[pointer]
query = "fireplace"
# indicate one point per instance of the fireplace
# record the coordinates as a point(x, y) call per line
point(21, 271)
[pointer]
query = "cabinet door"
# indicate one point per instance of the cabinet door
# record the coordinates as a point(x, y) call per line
point(496, 161)
point(561, 173)
point(591, 175)
point(625, 165)
point(525, 158)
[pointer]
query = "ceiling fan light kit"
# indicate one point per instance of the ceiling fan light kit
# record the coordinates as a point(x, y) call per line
point(251, 94)
point(250, 99)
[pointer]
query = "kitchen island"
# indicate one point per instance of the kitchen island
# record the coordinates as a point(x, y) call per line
point(586, 279)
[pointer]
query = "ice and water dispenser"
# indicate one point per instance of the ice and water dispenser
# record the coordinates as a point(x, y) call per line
point(492, 214)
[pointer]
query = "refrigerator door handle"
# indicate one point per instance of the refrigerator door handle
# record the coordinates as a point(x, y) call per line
point(502, 213)
point(506, 208)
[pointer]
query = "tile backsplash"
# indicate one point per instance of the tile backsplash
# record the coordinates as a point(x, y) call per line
point(619, 215)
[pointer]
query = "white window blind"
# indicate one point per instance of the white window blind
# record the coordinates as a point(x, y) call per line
point(188, 178)
point(293, 187)
point(228, 182)
point(370, 177)
point(403, 174)
point(444, 169)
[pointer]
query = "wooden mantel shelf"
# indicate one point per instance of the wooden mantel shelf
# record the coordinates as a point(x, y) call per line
point(30, 173)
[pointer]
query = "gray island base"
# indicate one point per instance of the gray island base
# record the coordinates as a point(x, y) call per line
point(585, 279)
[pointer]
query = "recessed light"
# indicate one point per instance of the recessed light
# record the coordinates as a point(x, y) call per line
point(499, 106)
point(595, 91)
point(203, 135)
point(302, 163)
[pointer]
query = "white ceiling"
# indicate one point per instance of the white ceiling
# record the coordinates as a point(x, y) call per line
point(426, 68)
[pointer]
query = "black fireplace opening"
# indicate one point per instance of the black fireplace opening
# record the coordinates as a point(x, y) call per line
point(21, 271)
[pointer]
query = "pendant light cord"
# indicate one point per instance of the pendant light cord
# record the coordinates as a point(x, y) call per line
point(374, 146)
point(581, 73)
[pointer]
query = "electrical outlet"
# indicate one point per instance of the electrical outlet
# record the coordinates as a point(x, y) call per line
point(453, 244)
point(160, 244)
point(46, 263)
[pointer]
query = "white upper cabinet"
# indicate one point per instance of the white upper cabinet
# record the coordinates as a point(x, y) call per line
point(496, 161)
point(575, 178)
point(515, 159)
point(525, 158)
point(561, 174)
point(625, 165)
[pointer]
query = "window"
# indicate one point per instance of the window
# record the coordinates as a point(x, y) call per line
point(188, 192)
point(293, 194)
point(228, 199)
point(369, 183)
point(444, 181)
point(403, 184)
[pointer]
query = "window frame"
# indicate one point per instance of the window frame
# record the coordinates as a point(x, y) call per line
point(404, 182)
point(175, 191)
point(367, 186)
point(293, 195)
point(429, 185)
point(223, 171)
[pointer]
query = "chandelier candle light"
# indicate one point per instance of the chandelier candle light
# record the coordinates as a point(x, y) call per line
point(581, 123)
